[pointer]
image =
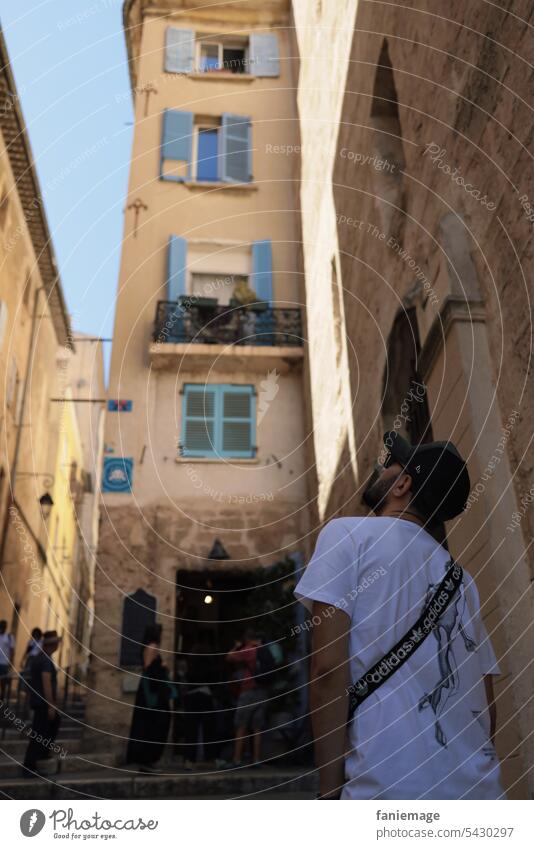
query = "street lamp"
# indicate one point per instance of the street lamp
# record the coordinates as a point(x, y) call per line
point(47, 502)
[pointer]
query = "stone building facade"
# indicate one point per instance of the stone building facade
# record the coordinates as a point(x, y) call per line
point(51, 444)
point(416, 197)
point(204, 469)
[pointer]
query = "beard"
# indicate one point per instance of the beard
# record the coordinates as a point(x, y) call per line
point(376, 493)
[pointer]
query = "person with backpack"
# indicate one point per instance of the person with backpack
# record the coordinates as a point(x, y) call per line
point(251, 661)
point(401, 684)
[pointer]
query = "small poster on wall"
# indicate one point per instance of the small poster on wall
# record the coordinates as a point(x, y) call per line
point(117, 474)
point(120, 405)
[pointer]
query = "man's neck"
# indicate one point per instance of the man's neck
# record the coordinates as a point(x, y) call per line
point(408, 515)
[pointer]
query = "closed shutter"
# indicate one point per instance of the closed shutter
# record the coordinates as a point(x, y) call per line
point(176, 267)
point(236, 154)
point(264, 55)
point(176, 141)
point(198, 431)
point(179, 50)
point(237, 422)
point(218, 421)
point(262, 269)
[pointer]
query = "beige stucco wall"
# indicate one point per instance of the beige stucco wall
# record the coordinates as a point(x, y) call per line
point(26, 580)
point(258, 507)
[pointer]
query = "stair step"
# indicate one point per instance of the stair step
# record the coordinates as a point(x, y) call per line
point(245, 783)
point(17, 745)
point(10, 767)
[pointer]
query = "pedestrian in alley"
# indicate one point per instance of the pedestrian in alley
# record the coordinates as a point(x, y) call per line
point(251, 696)
point(32, 650)
point(43, 700)
point(7, 650)
point(152, 711)
point(200, 719)
point(398, 643)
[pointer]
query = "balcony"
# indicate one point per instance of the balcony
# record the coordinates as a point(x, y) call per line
point(204, 333)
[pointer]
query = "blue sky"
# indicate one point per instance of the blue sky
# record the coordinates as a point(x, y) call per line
point(69, 62)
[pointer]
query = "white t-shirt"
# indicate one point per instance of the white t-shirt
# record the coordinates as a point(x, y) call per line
point(424, 733)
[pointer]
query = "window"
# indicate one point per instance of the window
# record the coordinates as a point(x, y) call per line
point(205, 149)
point(218, 420)
point(218, 286)
point(222, 56)
point(251, 265)
point(187, 52)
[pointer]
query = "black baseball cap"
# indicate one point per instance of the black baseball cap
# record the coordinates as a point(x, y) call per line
point(440, 480)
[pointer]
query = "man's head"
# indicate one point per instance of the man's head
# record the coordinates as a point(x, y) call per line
point(249, 637)
point(3, 626)
point(431, 479)
point(51, 641)
point(390, 489)
point(37, 634)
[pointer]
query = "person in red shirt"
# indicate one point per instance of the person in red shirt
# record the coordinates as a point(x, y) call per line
point(250, 706)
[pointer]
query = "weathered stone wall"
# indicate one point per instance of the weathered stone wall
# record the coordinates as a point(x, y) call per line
point(146, 550)
point(413, 102)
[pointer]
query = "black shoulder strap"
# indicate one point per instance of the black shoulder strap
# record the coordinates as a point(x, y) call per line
point(406, 646)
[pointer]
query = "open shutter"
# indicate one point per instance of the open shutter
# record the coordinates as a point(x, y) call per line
point(176, 267)
point(198, 421)
point(179, 50)
point(177, 139)
point(237, 421)
point(236, 154)
point(262, 270)
point(264, 56)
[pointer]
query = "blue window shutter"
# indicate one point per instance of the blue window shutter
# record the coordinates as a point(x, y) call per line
point(177, 139)
point(236, 421)
point(199, 421)
point(176, 267)
point(236, 154)
point(262, 270)
point(179, 50)
point(264, 55)
point(218, 420)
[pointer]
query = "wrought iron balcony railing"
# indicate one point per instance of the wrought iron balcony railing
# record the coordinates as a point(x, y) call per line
point(207, 323)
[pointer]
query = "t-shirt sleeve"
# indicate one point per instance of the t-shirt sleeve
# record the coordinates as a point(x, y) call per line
point(330, 574)
point(486, 655)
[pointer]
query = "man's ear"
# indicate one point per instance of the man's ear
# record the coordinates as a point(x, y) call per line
point(402, 485)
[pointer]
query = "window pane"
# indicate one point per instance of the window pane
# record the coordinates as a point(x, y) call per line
point(234, 60)
point(199, 435)
point(236, 436)
point(201, 404)
point(236, 405)
point(209, 57)
point(218, 286)
point(207, 155)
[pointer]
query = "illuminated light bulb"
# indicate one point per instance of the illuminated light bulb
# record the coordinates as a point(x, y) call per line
point(208, 599)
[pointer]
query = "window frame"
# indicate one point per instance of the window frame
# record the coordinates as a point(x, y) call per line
point(197, 128)
point(244, 45)
point(217, 450)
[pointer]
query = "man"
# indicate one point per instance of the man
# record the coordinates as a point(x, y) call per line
point(7, 650)
point(250, 707)
point(43, 694)
point(426, 731)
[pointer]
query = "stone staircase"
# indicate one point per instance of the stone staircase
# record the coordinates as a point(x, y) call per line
point(83, 774)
